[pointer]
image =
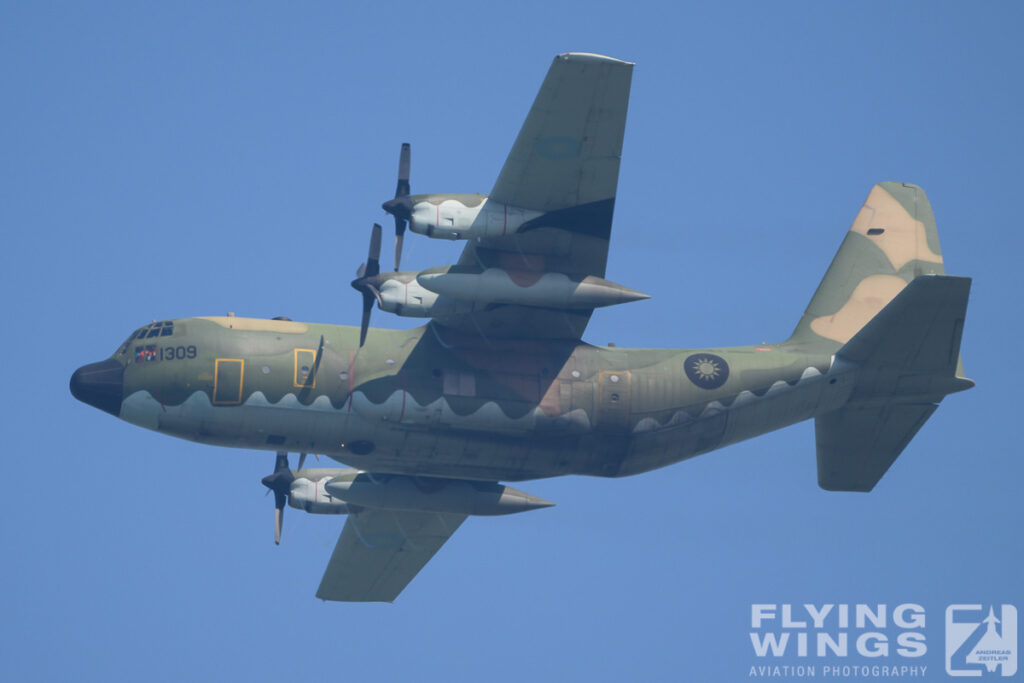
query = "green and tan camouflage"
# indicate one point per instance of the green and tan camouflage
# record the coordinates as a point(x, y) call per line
point(499, 386)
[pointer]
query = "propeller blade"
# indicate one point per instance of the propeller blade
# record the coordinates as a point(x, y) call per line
point(279, 521)
point(402, 189)
point(399, 239)
point(373, 258)
point(278, 517)
point(280, 482)
point(302, 460)
point(401, 207)
point(365, 283)
point(364, 324)
point(312, 375)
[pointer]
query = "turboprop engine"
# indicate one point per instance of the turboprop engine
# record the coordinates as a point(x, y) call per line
point(344, 490)
point(451, 290)
point(455, 290)
point(449, 216)
point(308, 491)
point(465, 216)
point(431, 494)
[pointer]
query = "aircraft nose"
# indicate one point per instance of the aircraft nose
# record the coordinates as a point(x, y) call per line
point(100, 385)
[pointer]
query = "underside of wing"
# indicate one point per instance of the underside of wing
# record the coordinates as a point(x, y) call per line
point(537, 246)
point(568, 150)
point(381, 551)
point(563, 171)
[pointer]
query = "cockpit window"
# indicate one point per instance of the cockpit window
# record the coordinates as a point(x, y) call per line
point(163, 328)
point(160, 329)
point(134, 335)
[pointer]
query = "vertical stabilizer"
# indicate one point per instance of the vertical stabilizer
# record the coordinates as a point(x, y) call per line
point(892, 240)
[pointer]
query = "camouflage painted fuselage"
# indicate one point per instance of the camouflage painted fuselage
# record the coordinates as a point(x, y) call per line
point(432, 401)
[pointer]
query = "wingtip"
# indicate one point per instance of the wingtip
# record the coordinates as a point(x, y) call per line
point(591, 57)
point(962, 384)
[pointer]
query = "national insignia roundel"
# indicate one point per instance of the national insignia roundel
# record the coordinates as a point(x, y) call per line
point(707, 370)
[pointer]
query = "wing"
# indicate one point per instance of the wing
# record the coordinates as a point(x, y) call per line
point(567, 153)
point(565, 164)
point(380, 551)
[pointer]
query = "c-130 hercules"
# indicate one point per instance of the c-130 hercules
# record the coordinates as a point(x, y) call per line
point(498, 384)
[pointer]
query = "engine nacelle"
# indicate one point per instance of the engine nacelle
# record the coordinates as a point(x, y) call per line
point(466, 216)
point(525, 288)
point(403, 295)
point(432, 494)
point(308, 491)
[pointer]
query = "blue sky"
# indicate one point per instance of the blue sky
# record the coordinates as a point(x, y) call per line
point(167, 161)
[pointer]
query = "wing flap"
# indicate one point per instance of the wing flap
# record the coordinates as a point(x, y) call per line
point(381, 551)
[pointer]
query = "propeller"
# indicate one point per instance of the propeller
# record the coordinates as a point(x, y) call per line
point(280, 482)
point(401, 206)
point(365, 282)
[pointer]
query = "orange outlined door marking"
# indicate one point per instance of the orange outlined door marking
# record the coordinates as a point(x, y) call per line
point(304, 359)
point(227, 381)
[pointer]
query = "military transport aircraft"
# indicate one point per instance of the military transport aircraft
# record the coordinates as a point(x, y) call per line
point(498, 385)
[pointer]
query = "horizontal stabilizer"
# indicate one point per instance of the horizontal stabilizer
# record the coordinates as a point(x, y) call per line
point(918, 331)
point(856, 445)
point(907, 358)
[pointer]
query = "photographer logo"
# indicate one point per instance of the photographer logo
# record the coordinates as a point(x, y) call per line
point(981, 640)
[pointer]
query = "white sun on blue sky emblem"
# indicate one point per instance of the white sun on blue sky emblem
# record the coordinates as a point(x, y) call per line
point(707, 370)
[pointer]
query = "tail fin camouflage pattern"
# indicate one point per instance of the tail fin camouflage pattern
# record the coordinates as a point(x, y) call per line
point(892, 241)
point(898, 330)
